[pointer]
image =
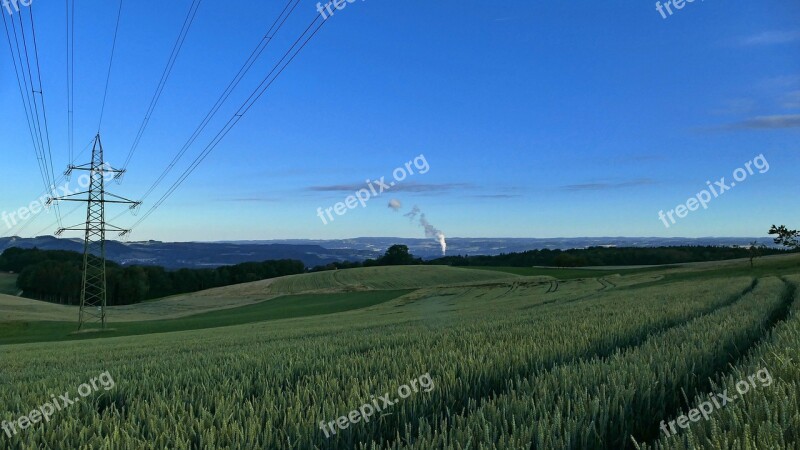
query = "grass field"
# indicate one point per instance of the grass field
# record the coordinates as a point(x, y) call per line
point(527, 360)
point(247, 294)
point(302, 305)
point(568, 274)
point(8, 284)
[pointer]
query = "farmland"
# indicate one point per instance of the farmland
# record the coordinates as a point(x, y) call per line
point(575, 360)
point(8, 284)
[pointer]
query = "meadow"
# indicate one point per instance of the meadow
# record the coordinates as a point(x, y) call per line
point(518, 360)
point(8, 284)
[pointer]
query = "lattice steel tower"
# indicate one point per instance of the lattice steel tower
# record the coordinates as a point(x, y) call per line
point(93, 290)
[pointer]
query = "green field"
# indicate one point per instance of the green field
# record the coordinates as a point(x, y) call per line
point(568, 274)
point(303, 305)
point(8, 284)
point(518, 359)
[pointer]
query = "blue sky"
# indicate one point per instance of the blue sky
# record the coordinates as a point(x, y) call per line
point(537, 119)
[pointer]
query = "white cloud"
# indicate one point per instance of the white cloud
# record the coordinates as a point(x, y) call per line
point(772, 38)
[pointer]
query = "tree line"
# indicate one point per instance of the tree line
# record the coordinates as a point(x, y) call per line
point(57, 276)
point(396, 255)
point(603, 256)
point(586, 257)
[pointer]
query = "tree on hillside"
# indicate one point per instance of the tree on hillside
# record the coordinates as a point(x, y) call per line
point(786, 237)
point(397, 255)
point(755, 251)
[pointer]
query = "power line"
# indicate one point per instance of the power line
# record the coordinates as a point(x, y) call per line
point(46, 194)
point(27, 88)
point(110, 63)
point(254, 97)
point(70, 75)
point(248, 64)
point(27, 102)
point(22, 83)
point(52, 225)
point(26, 224)
point(48, 227)
point(187, 23)
point(44, 108)
point(35, 110)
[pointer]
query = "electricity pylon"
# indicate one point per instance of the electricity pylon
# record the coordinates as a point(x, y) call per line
point(93, 291)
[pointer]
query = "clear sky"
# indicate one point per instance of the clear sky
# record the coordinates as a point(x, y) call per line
point(536, 119)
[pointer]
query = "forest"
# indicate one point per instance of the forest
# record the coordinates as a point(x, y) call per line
point(56, 276)
point(604, 256)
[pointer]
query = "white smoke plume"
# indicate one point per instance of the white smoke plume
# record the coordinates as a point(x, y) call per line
point(430, 230)
point(395, 204)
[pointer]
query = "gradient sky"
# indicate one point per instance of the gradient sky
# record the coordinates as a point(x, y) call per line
point(538, 119)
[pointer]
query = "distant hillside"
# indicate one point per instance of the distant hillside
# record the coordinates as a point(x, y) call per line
point(195, 255)
point(56, 276)
point(610, 256)
point(429, 248)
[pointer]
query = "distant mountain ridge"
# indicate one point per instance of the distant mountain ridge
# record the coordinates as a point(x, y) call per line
point(174, 255)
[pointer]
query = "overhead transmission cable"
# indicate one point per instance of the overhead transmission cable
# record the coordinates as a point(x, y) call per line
point(110, 64)
point(277, 70)
point(248, 64)
point(44, 108)
point(24, 92)
point(29, 101)
point(27, 87)
point(50, 227)
point(176, 49)
point(70, 4)
point(46, 194)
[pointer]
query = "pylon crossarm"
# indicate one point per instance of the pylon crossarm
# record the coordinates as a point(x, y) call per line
point(88, 168)
point(120, 202)
point(110, 227)
point(122, 199)
point(75, 228)
point(72, 167)
point(67, 197)
point(94, 230)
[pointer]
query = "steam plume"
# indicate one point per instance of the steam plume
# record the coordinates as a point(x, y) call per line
point(395, 204)
point(430, 230)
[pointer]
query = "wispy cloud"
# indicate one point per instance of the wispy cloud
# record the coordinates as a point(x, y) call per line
point(404, 187)
point(780, 82)
point(771, 38)
point(736, 106)
point(791, 100)
point(632, 158)
point(605, 186)
point(248, 200)
point(496, 196)
point(766, 123)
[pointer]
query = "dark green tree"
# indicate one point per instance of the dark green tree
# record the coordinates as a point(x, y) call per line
point(397, 255)
point(755, 250)
point(786, 237)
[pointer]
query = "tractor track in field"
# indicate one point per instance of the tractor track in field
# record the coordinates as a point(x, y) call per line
point(493, 387)
point(646, 430)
